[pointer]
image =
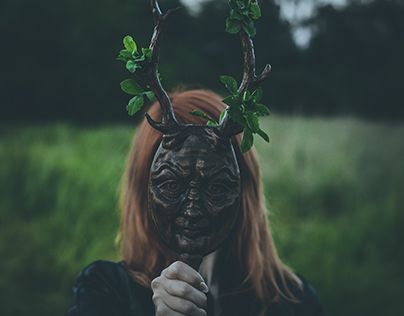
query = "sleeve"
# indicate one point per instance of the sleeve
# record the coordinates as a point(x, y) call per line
point(310, 303)
point(103, 289)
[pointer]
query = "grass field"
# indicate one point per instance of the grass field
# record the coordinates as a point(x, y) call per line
point(334, 188)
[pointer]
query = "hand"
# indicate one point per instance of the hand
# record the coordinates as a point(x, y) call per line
point(178, 291)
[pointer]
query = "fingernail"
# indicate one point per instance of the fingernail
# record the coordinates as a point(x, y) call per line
point(204, 288)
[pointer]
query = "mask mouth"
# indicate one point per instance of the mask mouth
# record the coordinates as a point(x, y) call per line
point(195, 244)
point(183, 222)
point(193, 230)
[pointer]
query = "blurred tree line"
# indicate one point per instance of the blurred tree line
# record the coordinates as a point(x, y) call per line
point(58, 58)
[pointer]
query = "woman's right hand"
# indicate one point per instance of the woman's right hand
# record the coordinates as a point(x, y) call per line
point(179, 290)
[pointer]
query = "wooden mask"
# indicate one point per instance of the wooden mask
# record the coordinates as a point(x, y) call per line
point(194, 187)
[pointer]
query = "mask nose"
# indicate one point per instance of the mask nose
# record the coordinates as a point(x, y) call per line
point(192, 208)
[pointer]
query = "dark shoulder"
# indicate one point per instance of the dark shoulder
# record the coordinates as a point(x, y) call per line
point(106, 288)
point(309, 302)
point(103, 272)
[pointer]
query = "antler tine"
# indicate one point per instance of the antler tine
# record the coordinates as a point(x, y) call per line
point(169, 121)
point(249, 62)
point(250, 80)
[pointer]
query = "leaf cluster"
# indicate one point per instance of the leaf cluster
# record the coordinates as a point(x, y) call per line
point(211, 121)
point(245, 110)
point(243, 13)
point(133, 57)
point(134, 60)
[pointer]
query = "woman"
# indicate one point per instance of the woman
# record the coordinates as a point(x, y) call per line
point(243, 277)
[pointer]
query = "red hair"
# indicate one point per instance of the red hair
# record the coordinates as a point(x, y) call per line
point(252, 247)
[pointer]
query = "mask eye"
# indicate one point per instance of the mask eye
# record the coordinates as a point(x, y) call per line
point(217, 189)
point(170, 188)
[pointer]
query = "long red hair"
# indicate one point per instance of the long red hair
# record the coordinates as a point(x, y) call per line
point(252, 246)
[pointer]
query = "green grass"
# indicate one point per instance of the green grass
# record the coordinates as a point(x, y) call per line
point(334, 187)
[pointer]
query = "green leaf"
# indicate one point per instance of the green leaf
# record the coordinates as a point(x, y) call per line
point(132, 66)
point(233, 5)
point(252, 121)
point(232, 101)
point(247, 142)
point(149, 95)
point(201, 114)
point(230, 83)
point(124, 55)
point(234, 15)
point(135, 104)
point(232, 26)
point(236, 115)
point(255, 11)
point(242, 107)
point(129, 44)
point(263, 135)
point(249, 28)
point(241, 4)
point(131, 87)
point(261, 109)
point(140, 59)
point(247, 96)
point(257, 95)
point(147, 53)
point(222, 116)
point(212, 123)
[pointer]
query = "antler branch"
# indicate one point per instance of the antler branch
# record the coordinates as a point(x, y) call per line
point(250, 80)
point(169, 121)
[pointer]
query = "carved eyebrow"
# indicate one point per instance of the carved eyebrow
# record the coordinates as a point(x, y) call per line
point(173, 167)
point(179, 171)
point(214, 173)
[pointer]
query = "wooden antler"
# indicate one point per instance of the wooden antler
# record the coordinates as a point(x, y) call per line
point(250, 80)
point(168, 122)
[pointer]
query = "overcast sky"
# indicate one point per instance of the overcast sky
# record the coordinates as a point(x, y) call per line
point(293, 11)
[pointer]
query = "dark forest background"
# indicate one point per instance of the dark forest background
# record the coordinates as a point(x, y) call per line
point(57, 59)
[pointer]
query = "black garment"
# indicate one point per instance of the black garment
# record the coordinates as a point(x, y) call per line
point(105, 289)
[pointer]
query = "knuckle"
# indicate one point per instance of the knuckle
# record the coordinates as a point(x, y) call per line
point(161, 310)
point(189, 308)
point(184, 290)
point(155, 283)
point(205, 300)
point(165, 272)
point(176, 265)
point(174, 269)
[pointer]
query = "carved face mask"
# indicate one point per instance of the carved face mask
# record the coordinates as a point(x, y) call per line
point(194, 185)
point(194, 190)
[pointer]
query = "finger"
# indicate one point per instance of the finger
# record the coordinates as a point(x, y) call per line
point(181, 271)
point(181, 305)
point(163, 310)
point(184, 290)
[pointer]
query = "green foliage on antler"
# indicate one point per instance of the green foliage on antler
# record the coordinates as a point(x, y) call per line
point(244, 107)
point(243, 13)
point(134, 60)
point(211, 120)
point(245, 110)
